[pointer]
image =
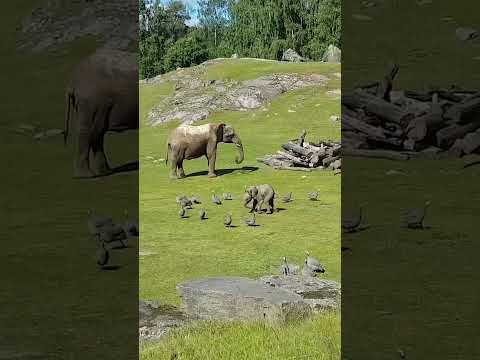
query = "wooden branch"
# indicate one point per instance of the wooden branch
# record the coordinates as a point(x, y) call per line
point(386, 86)
point(294, 159)
point(292, 168)
point(377, 106)
point(447, 136)
point(467, 145)
point(296, 149)
point(465, 112)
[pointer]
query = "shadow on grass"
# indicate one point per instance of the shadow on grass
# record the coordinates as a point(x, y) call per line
point(111, 267)
point(221, 172)
point(130, 166)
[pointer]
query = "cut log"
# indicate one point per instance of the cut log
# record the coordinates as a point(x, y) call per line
point(328, 160)
point(465, 112)
point(377, 106)
point(354, 140)
point(447, 136)
point(292, 168)
point(297, 149)
point(294, 159)
point(350, 123)
point(467, 145)
point(381, 154)
point(272, 161)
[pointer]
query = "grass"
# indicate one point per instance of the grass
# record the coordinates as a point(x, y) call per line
point(315, 339)
point(184, 249)
point(190, 248)
point(56, 300)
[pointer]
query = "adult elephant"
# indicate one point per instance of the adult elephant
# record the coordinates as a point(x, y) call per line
point(103, 96)
point(190, 142)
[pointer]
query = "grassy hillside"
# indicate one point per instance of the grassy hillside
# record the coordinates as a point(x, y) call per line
point(183, 249)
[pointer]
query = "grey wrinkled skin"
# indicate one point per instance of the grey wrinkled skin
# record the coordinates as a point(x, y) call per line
point(260, 194)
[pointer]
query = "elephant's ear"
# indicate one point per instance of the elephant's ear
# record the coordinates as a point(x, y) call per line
point(220, 129)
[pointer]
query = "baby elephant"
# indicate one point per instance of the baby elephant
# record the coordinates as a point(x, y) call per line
point(260, 194)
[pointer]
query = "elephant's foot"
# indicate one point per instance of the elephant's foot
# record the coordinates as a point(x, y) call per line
point(212, 175)
point(100, 165)
point(173, 176)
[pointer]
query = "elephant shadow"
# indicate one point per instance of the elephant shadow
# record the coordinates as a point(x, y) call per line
point(130, 166)
point(221, 172)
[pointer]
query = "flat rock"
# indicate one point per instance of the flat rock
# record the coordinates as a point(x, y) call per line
point(237, 298)
point(291, 55)
point(320, 294)
point(333, 54)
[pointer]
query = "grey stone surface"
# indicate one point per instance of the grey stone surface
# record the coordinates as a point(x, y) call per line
point(156, 320)
point(237, 298)
point(292, 56)
point(333, 54)
point(320, 294)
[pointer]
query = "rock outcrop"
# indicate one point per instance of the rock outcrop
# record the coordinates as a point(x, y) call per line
point(292, 56)
point(237, 298)
point(195, 99)
point(333, 54)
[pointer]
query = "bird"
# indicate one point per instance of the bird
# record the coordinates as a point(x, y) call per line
point(313, 263)
point(195, 200)
point(102, 255)
point(227, 196)
point(179, 198)
point(113, 232)
point(96, 222)
point(251, 221)
point(313, 195)
point(351, 223)
point(288, 198)
point(186, 203)
point(203, 214)
point(182, 212)
point(307, 271)
point(414, 217)
point(130, 226)
point(227, 220)
point(216, 199)
point(289, 269)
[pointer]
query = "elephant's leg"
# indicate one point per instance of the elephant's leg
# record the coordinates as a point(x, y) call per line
point(271, 205)
point(254, 205)
point(212, 157)
point(173, 162)
point(260, 204)
point(180, 171)
point(99, 162)
point(81, 165)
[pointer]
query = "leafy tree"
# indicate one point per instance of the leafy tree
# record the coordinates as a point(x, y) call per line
point(185, 52)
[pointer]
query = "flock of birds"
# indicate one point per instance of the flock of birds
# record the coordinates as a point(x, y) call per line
point(411, 218)
point(311, 267)
point(105, 230)
point(186, 203)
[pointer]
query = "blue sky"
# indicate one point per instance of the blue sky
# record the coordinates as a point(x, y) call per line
point(191, 6)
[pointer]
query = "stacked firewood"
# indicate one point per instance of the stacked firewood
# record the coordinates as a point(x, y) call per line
point(301, 155)
point(401, 123)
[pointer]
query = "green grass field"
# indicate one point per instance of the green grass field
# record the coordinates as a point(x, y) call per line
point(183, 249)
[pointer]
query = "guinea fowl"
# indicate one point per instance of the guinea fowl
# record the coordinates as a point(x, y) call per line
point(216, 200)
point(182, 213)
point(227, 196)
point(203, 214)
point(96, 222)
point(102, 255)
point(178, 198)
point(289, 269)
point(313, 263)
point(195, 200)
point(351, 223)
point(227, 220)
point(130, 226)
point(414, 217)
point(288, 198)
point(313, 195)
point(251, 221)
point(186, 203)
point(285, 269)
point(112, 233)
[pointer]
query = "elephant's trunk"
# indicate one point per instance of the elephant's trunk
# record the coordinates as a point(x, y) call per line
point(238, 144)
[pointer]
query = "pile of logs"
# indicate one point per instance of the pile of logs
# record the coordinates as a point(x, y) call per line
point(301, 155)
point(400, 124)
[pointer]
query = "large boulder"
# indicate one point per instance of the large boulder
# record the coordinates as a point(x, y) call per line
point(292, 56)
point(320, 294)
point(237, 298)
point(333, 54)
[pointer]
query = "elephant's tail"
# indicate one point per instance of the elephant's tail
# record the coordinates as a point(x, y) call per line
point(70, 97)
point(166, 155)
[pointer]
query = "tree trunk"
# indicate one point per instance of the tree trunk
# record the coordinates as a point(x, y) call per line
point(381, 154)
point(296, 149)
point(447, 136)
